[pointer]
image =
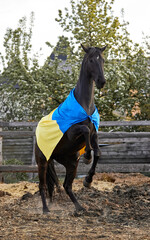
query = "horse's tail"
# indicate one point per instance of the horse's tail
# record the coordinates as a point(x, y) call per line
point(51, 179)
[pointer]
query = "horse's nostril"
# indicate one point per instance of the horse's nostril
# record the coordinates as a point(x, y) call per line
point(102, 84)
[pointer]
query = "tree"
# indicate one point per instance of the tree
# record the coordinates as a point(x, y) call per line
point(17, 84)
point(27, 90)
point(141, 85)
point(92, 22)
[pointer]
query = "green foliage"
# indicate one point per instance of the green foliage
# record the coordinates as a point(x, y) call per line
point(29, 91)
point(126, 67)
point(17, 83)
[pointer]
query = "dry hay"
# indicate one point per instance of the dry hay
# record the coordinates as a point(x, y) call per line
point(118, 207)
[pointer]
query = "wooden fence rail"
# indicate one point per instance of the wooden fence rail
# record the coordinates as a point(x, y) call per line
point(102, 124)
point(82, 169)
point(121, 151)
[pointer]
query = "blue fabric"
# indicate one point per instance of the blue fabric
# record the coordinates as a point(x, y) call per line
point(71, 112)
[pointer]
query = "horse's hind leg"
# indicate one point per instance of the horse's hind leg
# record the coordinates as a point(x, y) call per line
point(88, 179)
point(52, 179)
point(70, 175)
point(42, 169)
point(42, 185)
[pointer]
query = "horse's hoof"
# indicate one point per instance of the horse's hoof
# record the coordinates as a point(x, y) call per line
point(46, 211)
point(79, 211)
point(86, 184)
point(87, 159)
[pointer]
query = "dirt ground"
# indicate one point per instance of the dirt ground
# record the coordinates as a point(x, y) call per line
point(117, 207)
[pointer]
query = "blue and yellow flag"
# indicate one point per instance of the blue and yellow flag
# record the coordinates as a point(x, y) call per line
point(51, 128)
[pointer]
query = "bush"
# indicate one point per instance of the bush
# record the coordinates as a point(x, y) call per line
point(14, 177)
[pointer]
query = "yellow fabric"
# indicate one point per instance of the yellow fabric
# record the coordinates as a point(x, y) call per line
point(48, 135)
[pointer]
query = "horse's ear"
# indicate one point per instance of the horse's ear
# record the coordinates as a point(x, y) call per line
point(103, 49)
point(84, 48)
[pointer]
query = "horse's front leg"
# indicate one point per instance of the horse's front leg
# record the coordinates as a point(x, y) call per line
point(88, 179)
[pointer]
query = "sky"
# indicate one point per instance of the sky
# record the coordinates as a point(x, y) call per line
point(136, 12)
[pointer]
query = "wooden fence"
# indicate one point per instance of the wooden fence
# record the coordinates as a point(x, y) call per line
point(121, 151)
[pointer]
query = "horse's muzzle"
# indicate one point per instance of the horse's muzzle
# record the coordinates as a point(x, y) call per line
point(100, 84)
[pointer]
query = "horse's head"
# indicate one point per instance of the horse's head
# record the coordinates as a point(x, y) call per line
point(95, 64)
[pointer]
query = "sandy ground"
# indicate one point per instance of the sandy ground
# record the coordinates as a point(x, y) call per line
point(117, 207)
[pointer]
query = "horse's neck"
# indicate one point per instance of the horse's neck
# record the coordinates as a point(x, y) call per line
point(84, 93)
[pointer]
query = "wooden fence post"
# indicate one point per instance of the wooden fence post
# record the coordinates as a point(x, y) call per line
point(0, 155)
point(33, 152)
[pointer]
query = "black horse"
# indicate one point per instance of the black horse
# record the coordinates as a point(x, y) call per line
point(78, 135)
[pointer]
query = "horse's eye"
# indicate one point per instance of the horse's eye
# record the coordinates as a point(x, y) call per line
point(98, 57)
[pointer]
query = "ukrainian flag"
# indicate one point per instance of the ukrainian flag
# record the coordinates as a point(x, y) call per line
point(51, 128)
